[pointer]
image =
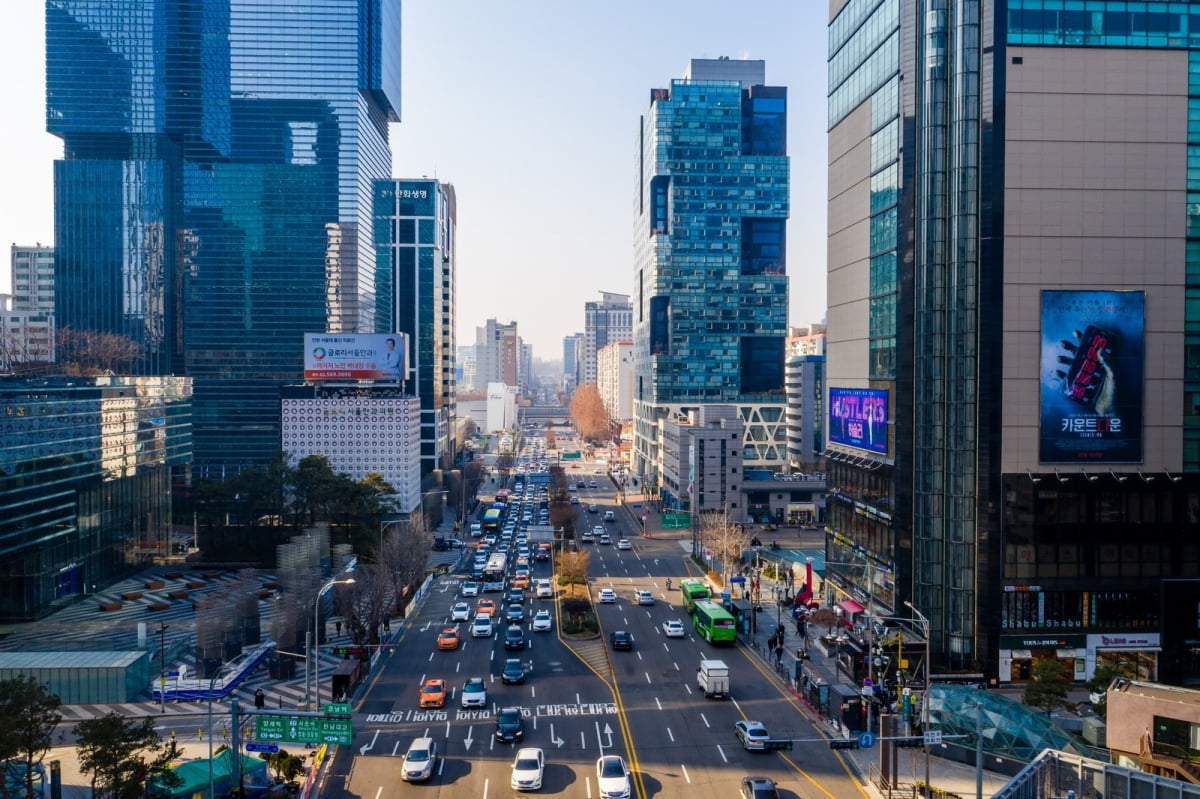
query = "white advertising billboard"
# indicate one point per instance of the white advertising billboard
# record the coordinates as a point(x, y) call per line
point(355, 356)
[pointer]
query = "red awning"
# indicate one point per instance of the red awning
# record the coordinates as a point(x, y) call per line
point(851, 607)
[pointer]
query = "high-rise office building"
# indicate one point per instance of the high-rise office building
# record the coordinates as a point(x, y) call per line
point(414, 238)
point(710, 289)
point(1013, 358)
point(605, 321)
point(213, 202)
point(571, 352)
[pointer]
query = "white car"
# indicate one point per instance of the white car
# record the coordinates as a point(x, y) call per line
point(419, 760)
point(471, 589)
point(482, 626)
point(752, 734)
point(623, 543)
point(460, 612)
point(599, 530)
point(604, 539)
point(644, 597)
point(674, 628)
point(608, 595)
point(527, 769)
point(474, 693)
point(542, 621)
point(612, 777)
point(545, 589)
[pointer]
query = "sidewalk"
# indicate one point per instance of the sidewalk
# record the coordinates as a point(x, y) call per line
point(821, 665)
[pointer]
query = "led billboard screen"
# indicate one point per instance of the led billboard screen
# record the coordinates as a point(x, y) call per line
point(348, 356)
point(858, 418)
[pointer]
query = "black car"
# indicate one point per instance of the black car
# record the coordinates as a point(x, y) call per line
point(514, 638)
point(509, 726)
point(516, 596)
point(620, 640)
point(759, 788)
point(514, 672)
point(515, 614)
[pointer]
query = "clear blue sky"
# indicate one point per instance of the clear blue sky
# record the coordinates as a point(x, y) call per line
point(530, 108)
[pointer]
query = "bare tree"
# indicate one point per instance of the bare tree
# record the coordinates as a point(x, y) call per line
point(93, 351)
point(725, 540)
point(572, 569)
point(363, 604)
point(588, 413)
point(24, 355)
point(404, 553)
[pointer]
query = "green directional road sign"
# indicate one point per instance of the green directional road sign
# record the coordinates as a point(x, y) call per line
point(676, 521)
point(338, 708)
point(302, 729)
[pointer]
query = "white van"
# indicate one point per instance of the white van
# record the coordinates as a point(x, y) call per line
point(476, 529)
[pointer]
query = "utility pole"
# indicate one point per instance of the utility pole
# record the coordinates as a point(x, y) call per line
point(162, 666)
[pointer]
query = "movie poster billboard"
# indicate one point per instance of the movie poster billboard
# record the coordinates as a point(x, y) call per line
point(1093, 343)
point(858, 418)
point(355, 356)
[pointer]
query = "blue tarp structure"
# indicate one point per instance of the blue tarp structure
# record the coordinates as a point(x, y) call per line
point(194, 774)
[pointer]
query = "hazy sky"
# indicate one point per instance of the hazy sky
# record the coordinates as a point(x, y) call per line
point(530, 108)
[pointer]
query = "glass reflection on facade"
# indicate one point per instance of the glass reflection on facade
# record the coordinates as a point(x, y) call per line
point(213, 200)
point(86, 471)
point(710, 300)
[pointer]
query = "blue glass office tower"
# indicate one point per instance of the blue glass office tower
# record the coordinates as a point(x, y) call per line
point(213, 202)
point(1008, 180)
point(710, 289)
point(415, 252)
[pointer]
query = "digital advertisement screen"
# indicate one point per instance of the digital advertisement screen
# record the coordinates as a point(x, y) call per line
point(1093, 343)
point(858, 418)
point(362, 356)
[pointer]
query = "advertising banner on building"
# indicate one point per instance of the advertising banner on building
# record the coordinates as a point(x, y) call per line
point(1093, 343)
point(362, 356)
point(858, 418)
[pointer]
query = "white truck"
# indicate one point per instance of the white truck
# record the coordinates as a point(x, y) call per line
point(712, 677)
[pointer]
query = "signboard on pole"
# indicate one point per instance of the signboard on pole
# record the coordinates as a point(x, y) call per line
point(302, 730)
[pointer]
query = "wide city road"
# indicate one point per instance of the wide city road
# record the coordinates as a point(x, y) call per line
point(582, 700)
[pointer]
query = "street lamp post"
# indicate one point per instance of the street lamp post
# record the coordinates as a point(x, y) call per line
point(317, 637)
point(925, 629)
point(162, 667)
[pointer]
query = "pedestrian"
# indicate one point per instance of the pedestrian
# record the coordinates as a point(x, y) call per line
point(337, 625)
point(260, 699)
point(778, 653)
point(799, 625)
point(771, 642)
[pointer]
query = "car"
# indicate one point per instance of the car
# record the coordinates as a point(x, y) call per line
point(522, 560)
point(620, 640)
point(674, 628)
point(599, 530)
point(509, 726)
point(542, 621)
point(455, 543)
point(433, 693)
point(609, 516)
point(448, 639)
point(545, 589)
point(516, 596)
point(608, 595)
point(482, 626)
point(580, 484)
point(513, 673)
point(759, 788)
point(542, 553)
point(527, 769)
point(593, 484)
point(474, 693)
point(604, 539)
point(612, 777)
point(514, 637)
point(586, 537)
point(470, 589)
point(419, 760)
point(460, 611)
point(491, 538)
point(485, 607)
point(752, 734)
point(515, 614)
point(476, 529)
point(623, 543)
point(644, 597)
point(521, 581)
point(592, 509)
point(574, 499)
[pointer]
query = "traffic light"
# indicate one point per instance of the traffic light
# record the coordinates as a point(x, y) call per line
point(843, 744)
point(909, 743)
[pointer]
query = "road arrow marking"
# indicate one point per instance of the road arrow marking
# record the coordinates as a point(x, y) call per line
point(469, 740)
point(368, 747)
point(558, 742)
point(607, 731)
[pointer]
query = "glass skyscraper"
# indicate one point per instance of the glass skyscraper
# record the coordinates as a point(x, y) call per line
point(710, 288)
point(1014, 313)
point(213, 202)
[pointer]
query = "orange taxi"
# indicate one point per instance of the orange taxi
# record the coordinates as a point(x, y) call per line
point(448, 639)
point(521, 581)
point(433, 693)
point(486, 606)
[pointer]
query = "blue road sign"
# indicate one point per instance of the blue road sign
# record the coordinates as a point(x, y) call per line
point(866, 740)
point(738, 580)
point(257, 747)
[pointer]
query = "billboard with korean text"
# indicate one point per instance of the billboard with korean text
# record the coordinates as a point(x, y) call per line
point(858, 418)
point(1093, 345)
point(355, 356)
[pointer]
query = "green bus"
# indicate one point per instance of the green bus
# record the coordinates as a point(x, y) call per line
point(713, 622)
point(691, 590)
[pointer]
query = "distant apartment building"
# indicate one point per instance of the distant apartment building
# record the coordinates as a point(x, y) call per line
point(710, 284)
point(614, 379)
point(415, 228)
point(804, 377)
point(27, 330)
point(605, 321)
point(497, 355)
point(572, 347)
